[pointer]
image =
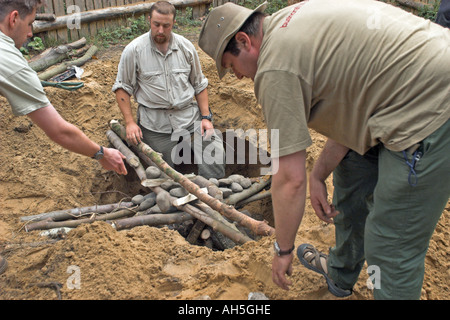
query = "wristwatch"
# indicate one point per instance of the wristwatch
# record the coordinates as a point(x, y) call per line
point(209, 116)
point(280, 252)
point(99, 154)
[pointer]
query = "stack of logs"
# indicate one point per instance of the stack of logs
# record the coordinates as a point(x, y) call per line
point(203, 211)
point(56, 60)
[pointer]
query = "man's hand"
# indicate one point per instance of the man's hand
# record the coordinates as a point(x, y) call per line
point(282, 266)
point(207, 129)
point(134, 133)
point(318, 196)
point(113, 160)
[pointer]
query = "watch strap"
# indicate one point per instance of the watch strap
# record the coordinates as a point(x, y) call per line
point(280, 252)
point(99, 154)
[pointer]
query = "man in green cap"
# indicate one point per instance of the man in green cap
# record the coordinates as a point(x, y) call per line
point(375, 80)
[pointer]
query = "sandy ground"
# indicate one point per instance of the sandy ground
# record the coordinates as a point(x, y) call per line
point(145, 262)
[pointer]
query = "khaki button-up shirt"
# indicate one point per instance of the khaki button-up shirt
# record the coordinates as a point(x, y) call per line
point(164, 85)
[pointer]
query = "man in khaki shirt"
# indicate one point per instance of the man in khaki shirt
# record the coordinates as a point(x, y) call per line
point(369, 76)
point(162, 71)
point(22, 87)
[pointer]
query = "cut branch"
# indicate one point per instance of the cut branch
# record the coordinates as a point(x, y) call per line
point(255, 188)
point(77, 212)
point(151, 220)
point(49, 224)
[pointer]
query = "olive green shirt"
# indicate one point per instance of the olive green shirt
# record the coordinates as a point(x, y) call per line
point(18, 82)
point(360, 72)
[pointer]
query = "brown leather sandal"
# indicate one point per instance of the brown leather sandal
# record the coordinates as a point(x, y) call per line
point(316, 261)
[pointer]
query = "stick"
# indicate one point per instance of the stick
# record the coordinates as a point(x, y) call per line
point(255, 188)
point(76, 212)
point(152, 220)
point(255, 197)
point(257, 227)
point(216, 225)
point(49, 224)
point(131, 158)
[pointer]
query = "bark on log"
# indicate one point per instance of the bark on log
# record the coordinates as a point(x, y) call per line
point(255, 197)
point(60, 215)
point(196, 230)
point(257, 227)
point(216, 225)
point(63, 66)
point(151, 220)
point(131, 158)
point(45, 16)
point(108, 13)
point(55, 55)
point(49, 224)
point(255, 188)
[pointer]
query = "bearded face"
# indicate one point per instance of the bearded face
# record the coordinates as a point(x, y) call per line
point(161, 27)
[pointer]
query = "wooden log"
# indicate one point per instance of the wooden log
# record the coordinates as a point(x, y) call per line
point(60, 215)
point(258, 227)
point(254, 188)
point(131, 158)
point(107, 14)
point(205, 234)
point(45, 16)
point(196, 230)
point(54, 55)
point(63, 67)
point(49, 224)
point(151, 220)
point(213, 190)
point(255, 197)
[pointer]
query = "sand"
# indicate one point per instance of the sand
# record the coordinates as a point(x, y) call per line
point(145, 262)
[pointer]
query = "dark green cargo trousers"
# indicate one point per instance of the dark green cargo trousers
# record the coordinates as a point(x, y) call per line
point(390, 205)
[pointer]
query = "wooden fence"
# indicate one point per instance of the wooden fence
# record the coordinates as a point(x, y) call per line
point(63, 29)
point(65, 9)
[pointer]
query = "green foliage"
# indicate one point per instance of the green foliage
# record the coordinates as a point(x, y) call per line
point(273, 5)
point(186, 19)
point(430, 11)
point(111, 36)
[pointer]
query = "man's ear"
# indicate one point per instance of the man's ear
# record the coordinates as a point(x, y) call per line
point(12, 18)
point(243, 40)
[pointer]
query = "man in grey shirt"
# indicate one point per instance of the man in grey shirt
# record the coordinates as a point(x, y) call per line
point(162, 71)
